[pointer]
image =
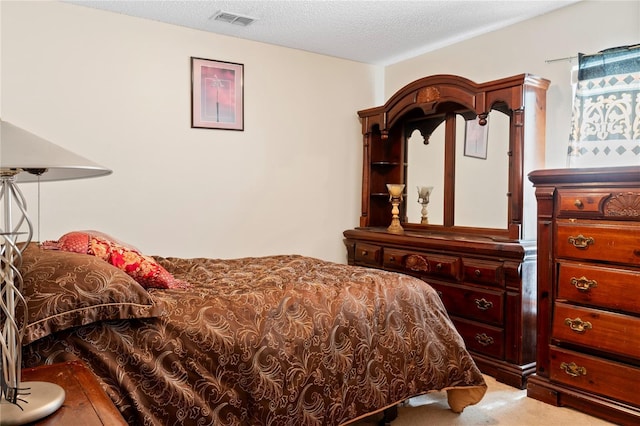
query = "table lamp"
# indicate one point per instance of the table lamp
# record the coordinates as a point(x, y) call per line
point(25, 157)
point(395, 197)
point(423, 198)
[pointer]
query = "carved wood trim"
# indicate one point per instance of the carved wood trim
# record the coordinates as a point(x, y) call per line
point(417, 263)
point(624, 204)
point(428, 94)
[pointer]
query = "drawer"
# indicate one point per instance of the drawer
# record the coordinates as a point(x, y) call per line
point(592, 374)
point(582, 202)
point(483, 272)
point(597, 203)
point(600, 286)
point(481, 338)
point(423, 264)
point(473, 303)
point(604, 241)
point(368, 254)
point(606, 331)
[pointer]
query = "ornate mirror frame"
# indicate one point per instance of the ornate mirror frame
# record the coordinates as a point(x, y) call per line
point(386, 130)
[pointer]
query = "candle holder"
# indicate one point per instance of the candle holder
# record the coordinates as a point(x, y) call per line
point(423, 198)
point(395, 197)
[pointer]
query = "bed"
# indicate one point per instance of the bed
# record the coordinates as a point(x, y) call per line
point(275, 340)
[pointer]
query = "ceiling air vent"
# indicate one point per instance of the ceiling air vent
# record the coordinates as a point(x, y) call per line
point(233, 18)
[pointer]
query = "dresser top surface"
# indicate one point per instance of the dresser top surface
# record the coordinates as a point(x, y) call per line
point(596, 175)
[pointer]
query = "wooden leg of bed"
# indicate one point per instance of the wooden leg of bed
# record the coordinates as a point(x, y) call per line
point(390, 415)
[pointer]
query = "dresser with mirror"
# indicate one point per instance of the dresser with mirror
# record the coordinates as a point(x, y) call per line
point(467, 214)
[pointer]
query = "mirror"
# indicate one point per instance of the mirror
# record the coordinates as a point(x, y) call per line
point(477, 172)
point(425, 167)
point(481, 155)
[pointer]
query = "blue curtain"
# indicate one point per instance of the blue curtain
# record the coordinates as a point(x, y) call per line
point(605, 126)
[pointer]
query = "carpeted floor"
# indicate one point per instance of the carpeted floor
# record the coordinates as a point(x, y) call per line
point(502, 405)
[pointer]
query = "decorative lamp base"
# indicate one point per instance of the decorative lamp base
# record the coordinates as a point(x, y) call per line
point(395, 227)
point(44, 399)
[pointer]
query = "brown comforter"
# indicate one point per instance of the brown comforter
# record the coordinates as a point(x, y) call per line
point(279, 340)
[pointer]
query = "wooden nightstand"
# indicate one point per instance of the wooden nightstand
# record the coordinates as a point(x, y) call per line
point(85, 402)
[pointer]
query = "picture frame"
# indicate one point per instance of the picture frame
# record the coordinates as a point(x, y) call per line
point(217, 94)
point(475, 139)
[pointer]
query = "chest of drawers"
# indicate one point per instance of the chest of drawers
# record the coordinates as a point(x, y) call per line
point(488, 288)
point(588, 324)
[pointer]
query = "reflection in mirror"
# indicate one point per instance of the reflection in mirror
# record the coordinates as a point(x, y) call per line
point(425, 167)
point(482, 183)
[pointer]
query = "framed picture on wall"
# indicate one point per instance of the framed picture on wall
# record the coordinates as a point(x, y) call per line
point(217, 94)
point(475, 139)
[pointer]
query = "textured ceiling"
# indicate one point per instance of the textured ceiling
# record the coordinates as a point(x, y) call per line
point(378, 32)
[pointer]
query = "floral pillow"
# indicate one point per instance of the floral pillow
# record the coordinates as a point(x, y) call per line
point(144, 269)
point(64, 290)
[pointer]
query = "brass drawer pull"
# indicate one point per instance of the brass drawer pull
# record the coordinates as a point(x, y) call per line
point(578, 204)
point(439, 266)
point(477, 273)
point(578, 325)
point(483, 304)
point(392, 258)
point(364, 252)
point(581, 241)
point(484, 340)
point(583, 284)
point(573, 370)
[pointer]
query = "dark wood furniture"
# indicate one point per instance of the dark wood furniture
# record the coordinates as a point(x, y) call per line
point(85, 402)
point(485, 275)
point(589, 291)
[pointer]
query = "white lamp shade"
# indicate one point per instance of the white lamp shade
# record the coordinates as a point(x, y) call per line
point(24, 151)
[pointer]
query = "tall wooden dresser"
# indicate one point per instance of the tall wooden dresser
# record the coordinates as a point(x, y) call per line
point(588, 322)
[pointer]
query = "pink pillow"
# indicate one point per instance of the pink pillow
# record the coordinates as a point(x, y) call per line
point(144, 269)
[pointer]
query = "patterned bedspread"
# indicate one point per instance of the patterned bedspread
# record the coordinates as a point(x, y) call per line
point(278, 340)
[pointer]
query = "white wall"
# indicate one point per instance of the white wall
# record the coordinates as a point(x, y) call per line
point(586, 26)
point(116, 90)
